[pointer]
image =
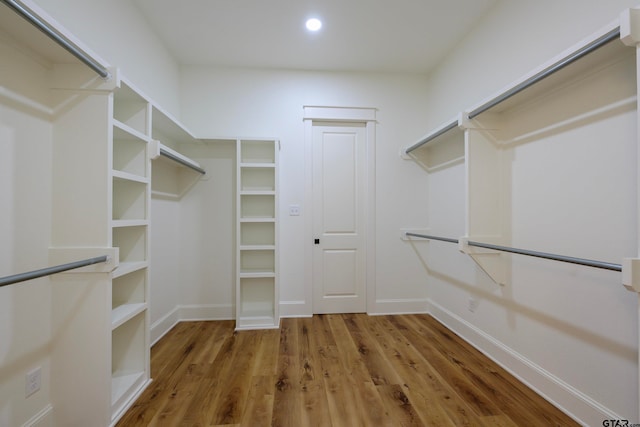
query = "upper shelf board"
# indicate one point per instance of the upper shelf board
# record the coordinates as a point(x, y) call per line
point(589, 56)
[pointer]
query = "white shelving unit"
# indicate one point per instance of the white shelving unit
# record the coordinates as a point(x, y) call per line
point(441, 148)
point(551, 100)
point(550, 166)
point(257, 296)
point(142, 163)
point(130, 174)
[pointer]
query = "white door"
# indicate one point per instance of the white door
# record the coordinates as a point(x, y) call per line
point(339, 184)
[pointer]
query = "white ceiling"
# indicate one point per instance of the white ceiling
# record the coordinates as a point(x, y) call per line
point(357, 35)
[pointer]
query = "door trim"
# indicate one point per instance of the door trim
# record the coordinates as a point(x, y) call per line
point(319, 114)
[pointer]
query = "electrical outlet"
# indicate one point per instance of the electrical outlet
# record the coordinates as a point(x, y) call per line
point(473, 304)
point(294, 210)
point(33, 381)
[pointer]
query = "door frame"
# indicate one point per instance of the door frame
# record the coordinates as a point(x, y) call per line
point(367, 116)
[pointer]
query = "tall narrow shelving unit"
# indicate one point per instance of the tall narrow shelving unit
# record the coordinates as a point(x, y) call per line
point(257, 294)
point(130, 182)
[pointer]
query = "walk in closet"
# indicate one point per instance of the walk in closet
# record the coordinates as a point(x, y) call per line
point(518, 212)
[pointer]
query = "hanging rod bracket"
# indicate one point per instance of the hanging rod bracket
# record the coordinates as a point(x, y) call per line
point(631, 274)
point(492, 263)
point(630, 27)
point(76, 78)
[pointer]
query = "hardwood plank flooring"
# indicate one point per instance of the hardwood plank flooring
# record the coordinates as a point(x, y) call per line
point(331, 370)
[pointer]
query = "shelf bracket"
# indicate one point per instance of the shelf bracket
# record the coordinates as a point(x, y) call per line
point(491, 262)
point(630, 27)
point(631, 274)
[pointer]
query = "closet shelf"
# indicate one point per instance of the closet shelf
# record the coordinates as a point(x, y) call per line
point(120, 223)
point(124, 131)
point(258, 165)
point(587, 57)
point(125, 268)
point(50, 40)
point(125, 312)
point(257, 247)
point(436, 135)
point(590, 56)
point(126, 176)
point(256, 274)
point(258, 220)
point(257, 193)
point(441, 148)
point(254, 318)
point(166, 127)
point(173, 174)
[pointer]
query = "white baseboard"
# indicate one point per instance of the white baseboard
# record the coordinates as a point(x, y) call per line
point(399, 306)
point(206, 312)
point(571, 401)
point(381, 307)
point(182, 313)
point(44, 418)
point(130, 402)
point(295, 309)
point(164, 325)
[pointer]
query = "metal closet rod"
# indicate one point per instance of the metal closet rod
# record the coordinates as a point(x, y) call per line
point(426, 236)
point(431, 137)
point(545, 255)
point(181, 161)
point(55, 35)
point(9, 280)
point(596, 44)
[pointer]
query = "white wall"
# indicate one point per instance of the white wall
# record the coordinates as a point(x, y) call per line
point(207, 257)
point(254, 103)
point(25, 228)
point(119, 34)
point(164, 274)
point(515, 37)
point(570, 332)
point(192, 259)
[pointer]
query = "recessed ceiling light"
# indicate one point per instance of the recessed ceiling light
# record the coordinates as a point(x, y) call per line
point(313, 24)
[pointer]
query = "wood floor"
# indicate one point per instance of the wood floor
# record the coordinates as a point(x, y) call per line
point(331, 370)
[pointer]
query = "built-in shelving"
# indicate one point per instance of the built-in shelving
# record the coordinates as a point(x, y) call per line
point(440, 148)
point(591, 85)
point(129, 369)
point(145, 161)
point(130, 204)
point(129, 267)
point(257, 235)
point(131, 111)
point(174, 174)
point(101, 133)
